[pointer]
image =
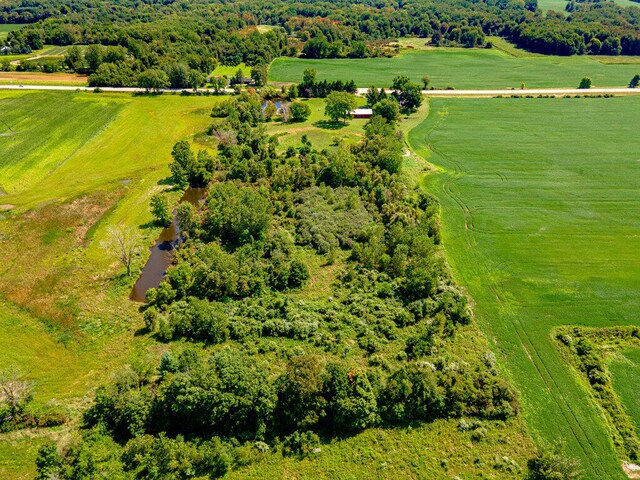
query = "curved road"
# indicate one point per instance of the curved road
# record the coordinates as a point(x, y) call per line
point(362, 91)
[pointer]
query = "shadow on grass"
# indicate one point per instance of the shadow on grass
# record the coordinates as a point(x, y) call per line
point(329, 125)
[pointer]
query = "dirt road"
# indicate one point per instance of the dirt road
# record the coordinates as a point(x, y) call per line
point(362, 91)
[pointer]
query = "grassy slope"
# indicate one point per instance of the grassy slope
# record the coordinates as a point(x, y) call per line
point(461, 68)
point(5, 28)
point(411, 453)
point(625, 372)
point(55, 270)
point(541, 227)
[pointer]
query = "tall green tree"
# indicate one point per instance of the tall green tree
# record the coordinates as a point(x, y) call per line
point(339, 105)
point(160, 210)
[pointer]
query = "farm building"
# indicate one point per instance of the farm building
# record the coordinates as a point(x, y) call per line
point(362, 113)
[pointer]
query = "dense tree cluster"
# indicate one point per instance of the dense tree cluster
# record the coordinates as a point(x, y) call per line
point(185, 40)
point(280, 369)
point(311, 87)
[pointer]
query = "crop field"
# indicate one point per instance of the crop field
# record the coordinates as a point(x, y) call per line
point(625, 372)
point(541, 226)
point(460, 68)
point(73, 164)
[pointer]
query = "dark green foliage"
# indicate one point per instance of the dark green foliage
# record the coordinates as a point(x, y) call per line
point(585, 83)
point(161, 457)
point(228, 395)
point(189, 169)
point(388, 109)
point(300, 111)
point(374, 96)
point(412, 393)
point(236, 215)
point(199, 320)
point(160, 210)
point(552, 464)
point(339, 106)
point(352, 403)
point(48, 462)
point(153, 80)
point(122, 407)
point(301, 404)
point(635, 81)
point(312, 88)
point(408, 94)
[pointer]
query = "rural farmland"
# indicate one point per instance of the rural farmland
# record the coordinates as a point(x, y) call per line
point(540, 226)
point(319, 239)
point(460, 68)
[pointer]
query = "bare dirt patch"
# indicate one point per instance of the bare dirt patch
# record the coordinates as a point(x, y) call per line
point(5, 207)
point(631, 469)
point(53, 78)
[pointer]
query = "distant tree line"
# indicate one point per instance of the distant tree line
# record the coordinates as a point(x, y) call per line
point(193, 36)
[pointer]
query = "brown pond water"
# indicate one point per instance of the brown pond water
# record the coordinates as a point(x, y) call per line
point(162, 252)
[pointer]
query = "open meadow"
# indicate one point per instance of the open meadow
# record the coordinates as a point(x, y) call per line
point(460, 68)
point(73, 164)
point(5, 28)
point(559, 5)
point(541, 227)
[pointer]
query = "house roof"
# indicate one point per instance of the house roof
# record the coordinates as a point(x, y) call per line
point(362, 111)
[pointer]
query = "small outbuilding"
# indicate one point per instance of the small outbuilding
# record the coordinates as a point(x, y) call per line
point(362, 113)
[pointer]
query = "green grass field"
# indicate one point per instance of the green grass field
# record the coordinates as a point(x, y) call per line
point(541, 226)
point(320, 132)
point(5, 28)
point(625, 373)
point(228, 71)
point(73, 164)
point(460, 68)
point(559, 5)
point(432, 451)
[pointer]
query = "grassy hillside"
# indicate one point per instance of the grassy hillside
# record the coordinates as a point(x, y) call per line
point(460, 68)
point(540, 225)
point(6, 28)
point(73, 164)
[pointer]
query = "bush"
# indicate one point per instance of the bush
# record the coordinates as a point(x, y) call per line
point(300, 111)
point(585, 83)
point(551, 464)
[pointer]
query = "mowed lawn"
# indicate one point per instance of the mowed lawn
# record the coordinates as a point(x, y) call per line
point(542, 226)
point(460, 68)
point(321, 132)
point(625, 373)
